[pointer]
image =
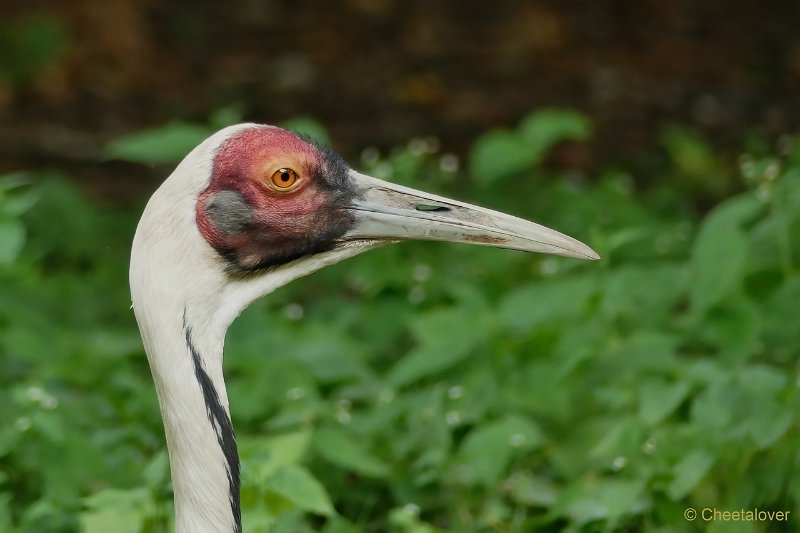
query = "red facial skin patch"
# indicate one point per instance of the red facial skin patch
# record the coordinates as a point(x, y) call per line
point(254, 224)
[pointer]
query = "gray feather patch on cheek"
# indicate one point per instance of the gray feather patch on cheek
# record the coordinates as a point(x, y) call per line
point(228, 212)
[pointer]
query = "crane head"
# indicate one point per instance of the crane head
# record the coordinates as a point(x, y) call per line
point(274, 197)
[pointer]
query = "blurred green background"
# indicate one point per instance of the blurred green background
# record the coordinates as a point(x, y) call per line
point(421, 387)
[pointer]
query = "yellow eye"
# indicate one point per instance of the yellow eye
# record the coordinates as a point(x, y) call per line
point(284, 178)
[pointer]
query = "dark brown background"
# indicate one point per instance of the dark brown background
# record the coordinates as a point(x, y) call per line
point(377, 72)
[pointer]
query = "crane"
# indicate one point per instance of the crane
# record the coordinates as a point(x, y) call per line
point(250, 209)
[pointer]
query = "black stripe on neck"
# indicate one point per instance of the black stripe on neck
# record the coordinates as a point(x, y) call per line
point(222, 426)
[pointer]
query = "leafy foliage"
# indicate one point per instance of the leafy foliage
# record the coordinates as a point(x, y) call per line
point(431, 387)
point(501, 153)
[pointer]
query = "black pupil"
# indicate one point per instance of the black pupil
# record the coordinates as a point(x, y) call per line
point(285, 177)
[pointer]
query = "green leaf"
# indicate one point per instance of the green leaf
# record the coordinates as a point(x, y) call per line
point(50, 425)
point(544, 128)
point(530, 490)
point(301, 488)
point(712, 410)
point(498, 155)
point(338, 447)
point(486, 451)
point(330, 353)
point(545, 301)
point(775, 310)
point(166, 144)
point(734, 327)
point(657, 399)
point(12, 238)
point(446, 336)
point(737, 210)
point(156, 471)
point(265, 455)
point(763, 381)
point(690, 153)
point(421, 363)
point(648, 350)
point(688, 473)
point(112, 521)
point(718, 259)
point(17, 196)
point(607, 499)
point(620, 437)
point(645, 294)
point(770, 425)
point(116, 511)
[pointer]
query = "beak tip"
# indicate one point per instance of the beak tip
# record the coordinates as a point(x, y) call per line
point(578, 250)
point(587, 254)
point(593, 256)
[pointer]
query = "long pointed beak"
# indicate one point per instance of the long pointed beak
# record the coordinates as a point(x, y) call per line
point(386, 211)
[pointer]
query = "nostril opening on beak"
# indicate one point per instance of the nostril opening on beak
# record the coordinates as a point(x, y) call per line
point(431, 208)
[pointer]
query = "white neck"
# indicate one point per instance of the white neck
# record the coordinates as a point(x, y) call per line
point(175, 289)
point(184, 302)
point(186, 362)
